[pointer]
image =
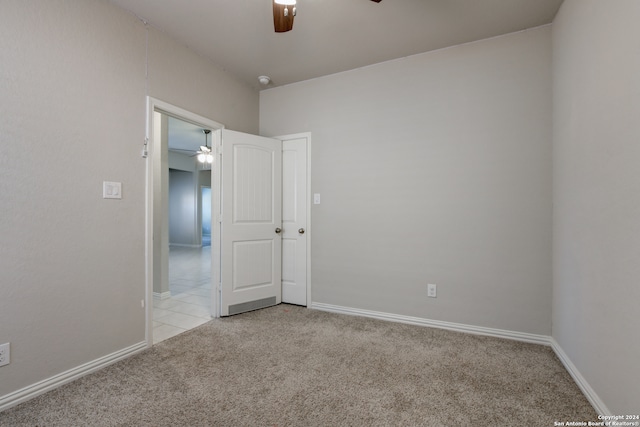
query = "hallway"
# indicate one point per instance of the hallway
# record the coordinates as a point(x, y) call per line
point(190, 286)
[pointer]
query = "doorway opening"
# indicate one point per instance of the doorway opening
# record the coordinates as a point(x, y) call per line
point(179, 260)
point(188, 301)
point(164, 253)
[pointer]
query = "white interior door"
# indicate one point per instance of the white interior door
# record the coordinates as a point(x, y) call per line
point(251, 238)
point(294, 221)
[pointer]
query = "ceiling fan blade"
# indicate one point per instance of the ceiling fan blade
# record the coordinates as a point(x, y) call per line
point(282, 23)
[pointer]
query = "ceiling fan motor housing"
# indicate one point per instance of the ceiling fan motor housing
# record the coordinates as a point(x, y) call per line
point(282, 19)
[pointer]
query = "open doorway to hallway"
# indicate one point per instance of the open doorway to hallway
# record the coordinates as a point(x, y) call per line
point(295, 158)
point(182, 263)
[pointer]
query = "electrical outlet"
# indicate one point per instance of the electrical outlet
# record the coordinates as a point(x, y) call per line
point(431, 290)
point(5, 354)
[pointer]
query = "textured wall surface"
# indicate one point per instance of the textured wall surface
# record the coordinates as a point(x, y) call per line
point(434, 168)
point(72, 115)
point(596, 134)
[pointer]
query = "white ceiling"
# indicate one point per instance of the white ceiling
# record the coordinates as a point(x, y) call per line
point(330, 36)
point(185, 137)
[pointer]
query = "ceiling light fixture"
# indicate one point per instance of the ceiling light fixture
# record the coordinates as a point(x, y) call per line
point(204, 154)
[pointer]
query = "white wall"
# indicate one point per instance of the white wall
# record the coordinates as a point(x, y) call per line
point(182, 208)
point(435, 168)
point(185, 222)
point(184, 200)
point(182, 161)
point(179, 76)
point(596, 194)
point(72, 114)
point(204, 214)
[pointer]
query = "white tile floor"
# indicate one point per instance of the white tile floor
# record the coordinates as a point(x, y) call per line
point(190, 287)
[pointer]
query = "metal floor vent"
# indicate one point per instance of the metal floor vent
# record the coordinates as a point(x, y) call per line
point(251, 305)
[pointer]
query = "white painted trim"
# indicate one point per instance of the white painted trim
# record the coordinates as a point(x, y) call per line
point(458, 327)
point(216, 226)
point(29, 392)
point(582, 383)
point(309, 226)
point(162, 295)
point(182, 245)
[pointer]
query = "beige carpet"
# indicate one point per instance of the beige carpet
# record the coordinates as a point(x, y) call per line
point(290, 366)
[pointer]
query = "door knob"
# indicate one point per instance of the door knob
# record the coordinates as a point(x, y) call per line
point(301, 231)
point(278, 230)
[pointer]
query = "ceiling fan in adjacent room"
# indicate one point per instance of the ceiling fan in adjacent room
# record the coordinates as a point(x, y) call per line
point(205, 154)
point(283, 13)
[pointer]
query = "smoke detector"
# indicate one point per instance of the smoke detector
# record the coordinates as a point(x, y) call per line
point(264, 80)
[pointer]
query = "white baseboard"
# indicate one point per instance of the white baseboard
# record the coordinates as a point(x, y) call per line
point(584, 386)
point(162, 295)
point(29, 392)
point(582, 383)
point(419, 321)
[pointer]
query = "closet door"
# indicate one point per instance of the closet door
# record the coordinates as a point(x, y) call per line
point(294, 220)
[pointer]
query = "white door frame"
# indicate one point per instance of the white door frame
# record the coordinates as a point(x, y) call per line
point(154, 150)
point(307, 136)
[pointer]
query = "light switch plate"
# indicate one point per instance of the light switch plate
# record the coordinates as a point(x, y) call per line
point(431, 290)
point(316, 198)
point(5, 354)
point(111, 190)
